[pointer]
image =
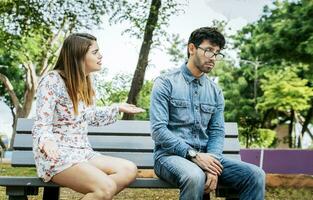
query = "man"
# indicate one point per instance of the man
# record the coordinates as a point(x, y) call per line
point(187, 124)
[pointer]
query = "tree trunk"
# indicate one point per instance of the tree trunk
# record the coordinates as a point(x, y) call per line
point(14, 124)
point(247, 140)
point(31, 86)
point(21, 111)
point(304, 122)
point(307, 119)
point(142, 63)
point(298, 138)
point(290, 136)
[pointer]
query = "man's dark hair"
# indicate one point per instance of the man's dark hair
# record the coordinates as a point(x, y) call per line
point(206, 33)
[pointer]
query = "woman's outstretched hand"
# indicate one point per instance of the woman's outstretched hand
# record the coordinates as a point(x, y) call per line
point(130, 108)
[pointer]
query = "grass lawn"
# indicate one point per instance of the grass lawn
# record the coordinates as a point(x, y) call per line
point(152, 194)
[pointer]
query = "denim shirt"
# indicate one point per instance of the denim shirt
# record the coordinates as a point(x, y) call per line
point(186, 112)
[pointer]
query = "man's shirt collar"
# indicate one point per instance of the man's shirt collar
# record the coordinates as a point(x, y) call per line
point(189, 77)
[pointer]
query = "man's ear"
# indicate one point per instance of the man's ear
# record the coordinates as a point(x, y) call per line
point(191, 49)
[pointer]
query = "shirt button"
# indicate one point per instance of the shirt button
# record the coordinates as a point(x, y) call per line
point(196, 92)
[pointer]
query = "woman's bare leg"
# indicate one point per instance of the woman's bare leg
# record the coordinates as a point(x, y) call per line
point(89, 180)
point(122, 171)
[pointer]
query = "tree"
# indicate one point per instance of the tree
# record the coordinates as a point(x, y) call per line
point(142, 63)
point(30, 36)
point(283, 34)
point(147, 20)
point(284, 91)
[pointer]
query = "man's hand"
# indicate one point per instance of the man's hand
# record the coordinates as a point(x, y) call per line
point(50, 148)
point(208, 163)
point(211, 182)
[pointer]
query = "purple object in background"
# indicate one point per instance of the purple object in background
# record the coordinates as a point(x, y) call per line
point(251, 156)
point(288, 161)
point(280, 161)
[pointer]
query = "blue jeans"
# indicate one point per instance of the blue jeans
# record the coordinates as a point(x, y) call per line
point(248, 179)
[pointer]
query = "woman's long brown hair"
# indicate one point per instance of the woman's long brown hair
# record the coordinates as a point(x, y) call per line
point(70, 63)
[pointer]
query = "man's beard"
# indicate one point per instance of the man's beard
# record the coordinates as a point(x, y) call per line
point(201, 66)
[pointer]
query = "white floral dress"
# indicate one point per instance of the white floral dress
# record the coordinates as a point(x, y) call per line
point(55, 120)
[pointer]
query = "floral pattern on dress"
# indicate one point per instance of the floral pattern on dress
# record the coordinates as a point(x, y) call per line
point(56, 121)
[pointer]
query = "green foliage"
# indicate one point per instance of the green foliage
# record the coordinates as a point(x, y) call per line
point(238, 93)
point(284, 33)
point(11, 68)
point(252, 137)
point(135, 14)
point(281, 38)
point(237, 85)
point(177, 49)
point(19, 17)
point(31, 32)
point(116, 91)
point(144, 100)
point(284, 91)
point(266, 138)
point(113, 91)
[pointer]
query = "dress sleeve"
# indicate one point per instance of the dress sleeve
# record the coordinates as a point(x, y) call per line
point(47, 97)
point(100, 116)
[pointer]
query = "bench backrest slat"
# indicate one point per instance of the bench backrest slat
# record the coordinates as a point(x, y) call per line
point(117, 143)
point(121, 127)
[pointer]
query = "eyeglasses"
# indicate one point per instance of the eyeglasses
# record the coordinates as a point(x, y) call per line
point(209, 54)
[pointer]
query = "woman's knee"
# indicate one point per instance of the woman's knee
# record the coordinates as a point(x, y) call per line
point(106, 190)
point(129, 169)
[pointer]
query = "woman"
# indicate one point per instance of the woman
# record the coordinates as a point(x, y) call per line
point(65, 107)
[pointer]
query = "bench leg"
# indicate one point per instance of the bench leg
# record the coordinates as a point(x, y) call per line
point(16, 192)
point(51, 193)
point(206, 196)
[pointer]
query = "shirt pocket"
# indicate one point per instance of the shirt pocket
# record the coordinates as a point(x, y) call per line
point(179, 111)
point(206, 111)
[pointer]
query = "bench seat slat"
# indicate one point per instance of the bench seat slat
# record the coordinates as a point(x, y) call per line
point(139, 183)
point(37, 182)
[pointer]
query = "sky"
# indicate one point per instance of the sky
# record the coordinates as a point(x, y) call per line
point(120, 53)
